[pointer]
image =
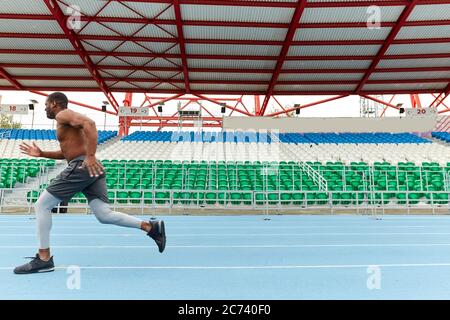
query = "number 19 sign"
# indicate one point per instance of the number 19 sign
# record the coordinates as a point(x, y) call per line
point(14, 109)
point(133, 111)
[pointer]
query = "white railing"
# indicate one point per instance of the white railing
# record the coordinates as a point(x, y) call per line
point(310, 171)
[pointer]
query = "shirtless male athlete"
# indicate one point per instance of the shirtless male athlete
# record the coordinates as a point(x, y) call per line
point(77, 136)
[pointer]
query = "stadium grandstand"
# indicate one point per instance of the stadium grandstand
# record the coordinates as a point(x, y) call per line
point(203, 134)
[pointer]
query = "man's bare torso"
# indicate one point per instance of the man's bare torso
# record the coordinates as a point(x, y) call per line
point(71, 141)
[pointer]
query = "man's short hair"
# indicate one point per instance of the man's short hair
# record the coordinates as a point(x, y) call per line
point(59, 98)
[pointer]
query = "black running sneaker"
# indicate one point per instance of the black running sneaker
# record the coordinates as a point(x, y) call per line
point(158, 234)
point(35, 266)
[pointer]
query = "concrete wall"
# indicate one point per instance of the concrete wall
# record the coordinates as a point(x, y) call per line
point(405, 124)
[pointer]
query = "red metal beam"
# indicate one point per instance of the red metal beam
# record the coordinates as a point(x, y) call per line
point(181, 43)
point(441, 97)
point(40, 17)
point(219, 70)
point(300, 7)
point(224, 92)
point(10, 79)
point(61, 19)
point(442, 103)
point(307, 105)
point(285, 4)
point(392, 34)
point(222, 57)
point(122, 38)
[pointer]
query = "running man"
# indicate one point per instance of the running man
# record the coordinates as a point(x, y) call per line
point(77, 136)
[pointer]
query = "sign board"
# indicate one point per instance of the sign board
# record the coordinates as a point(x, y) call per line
point(133, 111)
point(14, 108)
point(424, 112)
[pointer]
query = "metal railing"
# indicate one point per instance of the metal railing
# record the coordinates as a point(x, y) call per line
point(310, 171)
point(360, 201)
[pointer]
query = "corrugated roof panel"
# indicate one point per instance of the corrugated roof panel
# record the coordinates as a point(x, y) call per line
point(130, 46)
point(29, 26)
point(151, 10)
point(424, 32)
point(101, 60)
point(134, 61)
point(230, 76)
point(314, 87)
point(153, 31)
point(114, 73)
point(162, 86)
point(48, 72)
point(307, 34)
point(126, 29)
point(243, 50)
point(35, 44)
point(235, 33)
point(160, 47)
point(5, 83)
point(430, 12)
point(349, 14)
point(95, 28)
point(319, 76)
point(116, 9)
point(418, 48)
point(87, 7)
point(405, 86)
point(247, 64)
point(236, 14)
point(327, 64)
point(174, 50)
point(121, 84)
point(59, 83)
point(228, 87)
point(167, 75)
point(19, 7)
point(412, 63)
point(409, 75)
point(371, 50)
point(155, 75)
point(40, 59)
point(160, 62)
point(96, 45)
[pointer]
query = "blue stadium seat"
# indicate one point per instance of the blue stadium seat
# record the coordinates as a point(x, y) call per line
point(42, 134)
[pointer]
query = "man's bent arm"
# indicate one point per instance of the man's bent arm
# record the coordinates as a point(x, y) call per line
point(82, 122)
point(52, 155)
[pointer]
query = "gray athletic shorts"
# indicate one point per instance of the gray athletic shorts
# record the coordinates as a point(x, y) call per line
point(73, 180)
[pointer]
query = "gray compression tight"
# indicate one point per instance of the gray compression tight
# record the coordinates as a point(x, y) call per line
point(101, 210)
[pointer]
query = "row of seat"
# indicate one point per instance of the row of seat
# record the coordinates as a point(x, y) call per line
point(266, 137)
point(13, 171)
point(444, 136)
point(346, 153)
point(42, 134)
point(237, 181)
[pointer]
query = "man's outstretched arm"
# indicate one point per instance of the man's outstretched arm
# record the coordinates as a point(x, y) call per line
point(35, 151)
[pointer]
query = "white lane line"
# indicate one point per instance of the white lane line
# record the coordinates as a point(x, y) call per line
point(243, 246)
point(235, 227)
point(231, 234)
point(343, 266)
